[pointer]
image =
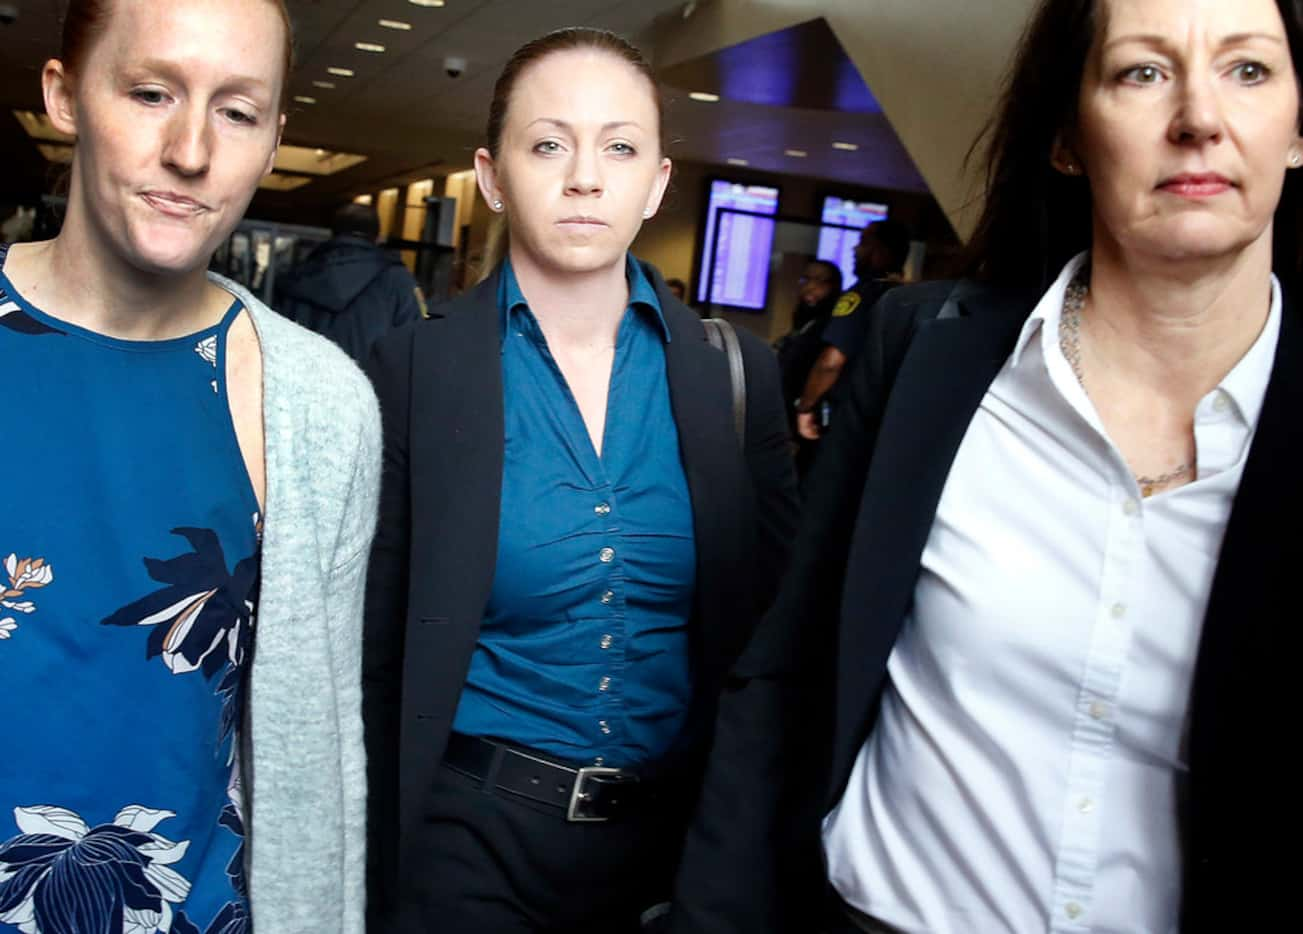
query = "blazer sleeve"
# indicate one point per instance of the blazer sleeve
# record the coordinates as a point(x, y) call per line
point(386, 613)
point(769, 461)
point(752, 860)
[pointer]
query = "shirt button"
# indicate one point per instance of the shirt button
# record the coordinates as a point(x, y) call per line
point(1098, 710)
point(598, 760)
point(1130, 507)
point(1118, 610)
point(604, 727)
point(606, 555)
point(606, 641)
point(1073, 910)
point(602, 509)
point(608, 597)
point(1085, 805)
point(604, 684)
point(1219, 403)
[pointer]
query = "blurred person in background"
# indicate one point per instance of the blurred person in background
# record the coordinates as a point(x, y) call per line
point(879, 264)
point(349, 288)
point(818, 290)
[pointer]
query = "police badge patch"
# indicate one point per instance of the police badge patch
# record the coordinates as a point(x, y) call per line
point(846, 305)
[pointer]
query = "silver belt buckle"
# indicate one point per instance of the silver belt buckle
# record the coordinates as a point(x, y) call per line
point(578, 797)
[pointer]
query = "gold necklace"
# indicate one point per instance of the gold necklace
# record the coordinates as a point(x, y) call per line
point(1070, 344)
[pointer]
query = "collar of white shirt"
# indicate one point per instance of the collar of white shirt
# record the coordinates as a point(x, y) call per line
point(1245, 385)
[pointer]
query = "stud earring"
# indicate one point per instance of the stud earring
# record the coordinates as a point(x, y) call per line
point(1295, 159)
point(646, 215)
point(497, 205)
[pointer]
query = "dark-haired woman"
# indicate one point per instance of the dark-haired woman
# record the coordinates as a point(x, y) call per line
point(575, 537)
point(1063, 609)
point(167, 496)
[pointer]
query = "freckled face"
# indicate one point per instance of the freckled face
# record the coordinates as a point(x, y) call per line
point(579, 166)
point(176, 114)
point(1188, 120)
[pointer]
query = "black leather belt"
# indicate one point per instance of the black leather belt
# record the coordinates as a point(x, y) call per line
point(582, 794)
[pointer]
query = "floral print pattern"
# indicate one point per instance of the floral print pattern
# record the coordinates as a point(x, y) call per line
point(14, 318)
point(88, 741)
point(25, 574)
point(207, 348)
point(59, 875)
point(202, 619)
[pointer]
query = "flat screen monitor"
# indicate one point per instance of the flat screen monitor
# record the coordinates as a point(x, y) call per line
point(837, 244)
point(735, 265)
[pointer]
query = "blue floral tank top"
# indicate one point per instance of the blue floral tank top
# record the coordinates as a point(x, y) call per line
point(129, 537)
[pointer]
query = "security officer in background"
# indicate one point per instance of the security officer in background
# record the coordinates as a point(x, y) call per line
point(879, 262)
point(797, 350)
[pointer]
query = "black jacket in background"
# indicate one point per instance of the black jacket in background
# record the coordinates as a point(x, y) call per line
point(351, 291)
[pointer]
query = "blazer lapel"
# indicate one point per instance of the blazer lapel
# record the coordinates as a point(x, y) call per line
point(455, 464)
point(945, 373)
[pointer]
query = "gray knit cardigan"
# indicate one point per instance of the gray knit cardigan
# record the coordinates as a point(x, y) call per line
point(304, 763)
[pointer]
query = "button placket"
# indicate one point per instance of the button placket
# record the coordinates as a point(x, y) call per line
point(1076, 861)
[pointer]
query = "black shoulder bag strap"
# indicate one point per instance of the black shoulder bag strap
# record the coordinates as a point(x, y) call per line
point(722, 337)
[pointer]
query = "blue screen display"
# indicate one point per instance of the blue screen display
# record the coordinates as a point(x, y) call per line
point(738, 273)
point(836, 244)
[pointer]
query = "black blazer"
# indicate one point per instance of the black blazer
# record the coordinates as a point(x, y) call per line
point(872, 500)
point(441, 400)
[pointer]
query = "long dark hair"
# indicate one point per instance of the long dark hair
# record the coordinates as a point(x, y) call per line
point(1035, 219)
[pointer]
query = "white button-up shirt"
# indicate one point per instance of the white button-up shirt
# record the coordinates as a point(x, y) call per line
point(1022, 774)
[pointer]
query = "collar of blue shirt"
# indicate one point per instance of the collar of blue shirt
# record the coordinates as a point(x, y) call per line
point(642, 296)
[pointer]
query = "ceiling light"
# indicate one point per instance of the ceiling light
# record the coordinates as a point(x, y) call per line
point(340, 72)
point(300, 99)
point(704, 96)
point(368, 46)
point(305, 160)
point(846, 147)
point(426, 2)
point(395, 24)
point(738, 162)
point(795, 153)
point(328, 85)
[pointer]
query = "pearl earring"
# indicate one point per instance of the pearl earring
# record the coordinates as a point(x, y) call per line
point(646, 215)
point(1294, 159)
point(497, 205)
